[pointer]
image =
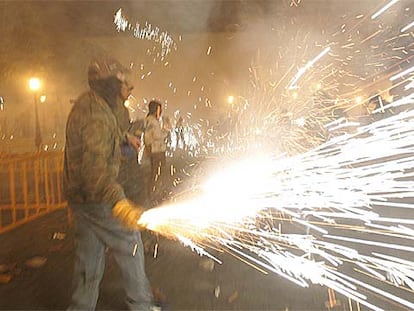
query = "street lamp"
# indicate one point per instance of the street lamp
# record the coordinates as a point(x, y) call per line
point(34, 85)
point(230, 99)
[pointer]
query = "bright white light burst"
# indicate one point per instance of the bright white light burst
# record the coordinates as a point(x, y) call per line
point(351, 195)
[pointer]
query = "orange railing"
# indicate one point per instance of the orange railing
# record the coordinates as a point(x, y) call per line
point(30, 186)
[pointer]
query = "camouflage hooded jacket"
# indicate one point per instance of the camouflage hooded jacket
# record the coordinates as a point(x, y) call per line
point(92, 153)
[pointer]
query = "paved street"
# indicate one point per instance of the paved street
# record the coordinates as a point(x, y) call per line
point(183, 278)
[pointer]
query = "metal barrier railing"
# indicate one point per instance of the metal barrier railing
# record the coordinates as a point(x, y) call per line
point(30, 186)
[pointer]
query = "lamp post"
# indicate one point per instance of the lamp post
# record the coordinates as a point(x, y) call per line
point(230, 99)
point(34, 85)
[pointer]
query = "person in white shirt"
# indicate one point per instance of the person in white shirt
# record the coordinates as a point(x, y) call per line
point(155, 148)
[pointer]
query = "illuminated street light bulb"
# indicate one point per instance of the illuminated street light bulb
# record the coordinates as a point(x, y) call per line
point(126, 103)
point(358, 100)
point(230, 99)
point(295, 95)
point(34, 84)
point(43, 99)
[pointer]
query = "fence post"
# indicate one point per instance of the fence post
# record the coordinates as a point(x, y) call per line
point(46, 181)
point(36, 182)
point(25, 191)
point(12, 189)
point(29, 191)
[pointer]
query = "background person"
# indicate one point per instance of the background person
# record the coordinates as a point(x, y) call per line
point(155, 146)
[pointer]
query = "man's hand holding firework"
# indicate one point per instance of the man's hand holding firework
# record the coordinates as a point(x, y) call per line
point(128, 213)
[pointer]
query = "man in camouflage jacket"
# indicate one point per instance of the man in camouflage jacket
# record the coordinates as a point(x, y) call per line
point(102, 214)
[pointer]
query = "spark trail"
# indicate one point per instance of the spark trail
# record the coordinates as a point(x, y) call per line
point(302, 70)
point(145, 32)
point(354, 190)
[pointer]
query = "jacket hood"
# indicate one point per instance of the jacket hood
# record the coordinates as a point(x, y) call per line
point(109, 89)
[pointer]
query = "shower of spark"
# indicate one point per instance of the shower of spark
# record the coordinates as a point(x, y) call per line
point(145, 32)
point(281, 115)
point(288, 109)
point(345, 206)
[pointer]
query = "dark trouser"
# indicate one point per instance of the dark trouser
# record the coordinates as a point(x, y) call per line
point(96, 229)
point(156, 182)
point(131, 176)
